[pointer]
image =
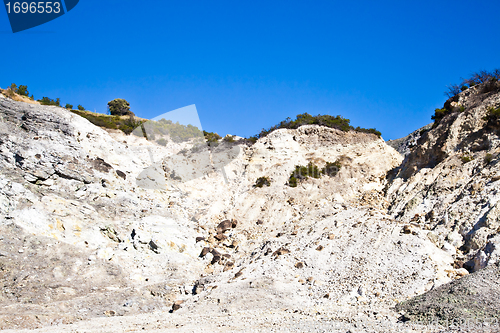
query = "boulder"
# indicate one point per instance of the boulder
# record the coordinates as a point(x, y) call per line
point(224, 226)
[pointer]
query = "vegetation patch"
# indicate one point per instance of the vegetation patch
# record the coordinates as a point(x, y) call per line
point(337, 122)
point(163, 128)
point(493, 116)
point(485, 81)
point(331, 168)
point(447, 109)
point(212, 138)
point(439, 114)
point(162, 142)
point(49, 101)
point(229, 139)
point(262, 181)
point(119, 107)
point(311, 170)
point(120, 117)
point(126, 125)
point(488, 158)
point(488, 80)
point(21, 91)
point(466, 158)
point(251, 140)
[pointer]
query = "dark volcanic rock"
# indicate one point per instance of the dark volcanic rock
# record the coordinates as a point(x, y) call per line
point(205, 251)
point(100, 165)
point(224, 225)
point(121, 174)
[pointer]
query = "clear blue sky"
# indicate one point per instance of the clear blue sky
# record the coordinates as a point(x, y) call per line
point(250, 64)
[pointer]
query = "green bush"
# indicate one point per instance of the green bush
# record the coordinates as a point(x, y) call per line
point(49, 101)
point(311, 170)
point(368, 130)
point(439, 114)
point(128, 125)
point(488, 158)
point(331, 168)
point(466, 158)
point(493, 116)
point(302, 173)
point(119, 107)
point(80, 107)
point(262, 181)
point(178, 133)
point(292, 182)
point(23, 90)
point(251, 140)
point(447, 109)
point(337, 122)
point(212, 138)
point(162, 142)
point(68, 106)
point(229, 139)
point(98, 120)
point(134, 126)
point(111, 122)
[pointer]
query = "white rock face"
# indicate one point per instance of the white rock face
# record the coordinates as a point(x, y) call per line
point(133, 232)
point(449, 181)
point(352, 257)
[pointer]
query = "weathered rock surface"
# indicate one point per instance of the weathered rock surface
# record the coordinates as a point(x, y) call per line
point(448, 183)
point(405, 144)
point(45, 281)
point(100, 224)
point(58, 181)
point(473, 298)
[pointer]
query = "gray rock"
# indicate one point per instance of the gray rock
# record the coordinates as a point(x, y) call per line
point(405, 144)
point(473, 297)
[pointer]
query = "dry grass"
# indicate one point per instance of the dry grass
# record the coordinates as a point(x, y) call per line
point(109, 116)
point(12, 95)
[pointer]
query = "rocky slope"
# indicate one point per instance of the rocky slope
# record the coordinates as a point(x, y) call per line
point(449, 182)
point(66, 198)
point(99, 224)
point(471, 299)
point(405, 144)
point(448, 185)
